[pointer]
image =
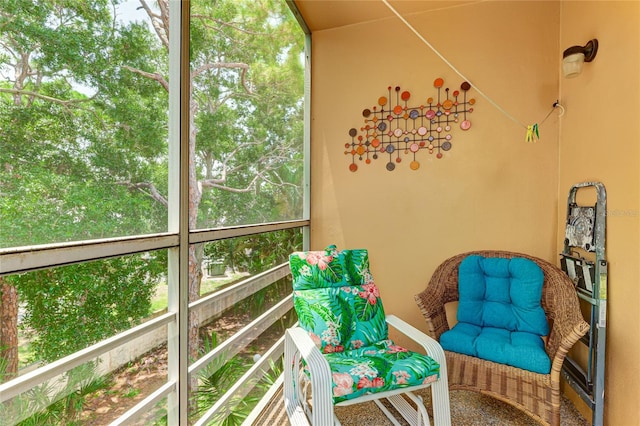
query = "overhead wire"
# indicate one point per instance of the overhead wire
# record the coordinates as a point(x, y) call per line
point(457, 71)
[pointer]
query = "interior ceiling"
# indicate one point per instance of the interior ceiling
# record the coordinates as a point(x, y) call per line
point(326, 14)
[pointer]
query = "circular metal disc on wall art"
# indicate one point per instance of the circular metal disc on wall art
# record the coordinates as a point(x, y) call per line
point(401, 132)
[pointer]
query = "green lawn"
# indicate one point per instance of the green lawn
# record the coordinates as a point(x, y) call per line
point(159, 302)
point(160, 299)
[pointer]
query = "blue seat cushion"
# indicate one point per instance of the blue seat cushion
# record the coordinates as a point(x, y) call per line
point(377, 368)
point(515, 348)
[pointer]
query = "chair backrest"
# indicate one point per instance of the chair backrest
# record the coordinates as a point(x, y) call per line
point(559, 300)
point(336, 299)
point(502, 293)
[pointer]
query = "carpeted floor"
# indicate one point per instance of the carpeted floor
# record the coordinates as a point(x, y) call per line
point(467, 409)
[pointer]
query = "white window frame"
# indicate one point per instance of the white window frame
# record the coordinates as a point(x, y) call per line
point(176, 241)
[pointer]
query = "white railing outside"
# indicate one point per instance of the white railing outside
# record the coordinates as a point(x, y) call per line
point(22, 259)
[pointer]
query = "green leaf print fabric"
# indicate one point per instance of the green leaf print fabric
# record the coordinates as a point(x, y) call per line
point(339, 305)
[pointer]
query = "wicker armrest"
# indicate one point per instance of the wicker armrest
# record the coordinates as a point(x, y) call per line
point(442, 289)
point(432, 309)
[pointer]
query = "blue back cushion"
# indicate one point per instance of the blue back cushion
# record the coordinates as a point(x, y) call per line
point(500, 317)
point(502, 293)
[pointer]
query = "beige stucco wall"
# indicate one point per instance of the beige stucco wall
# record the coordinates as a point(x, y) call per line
point(600, 140)
point(492, 190)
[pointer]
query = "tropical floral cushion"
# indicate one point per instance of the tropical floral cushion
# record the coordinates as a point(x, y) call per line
point(337, 318)
point(317, 269)
point(329, 268)
point(378, 368)
point(338, 303)
point(342, 318)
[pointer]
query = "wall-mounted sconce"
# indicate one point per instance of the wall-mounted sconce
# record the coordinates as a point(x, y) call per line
point(575, 56)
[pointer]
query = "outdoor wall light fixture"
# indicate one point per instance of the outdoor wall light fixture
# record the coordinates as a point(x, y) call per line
point(575, 56)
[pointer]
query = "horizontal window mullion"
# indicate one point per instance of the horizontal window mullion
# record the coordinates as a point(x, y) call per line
point(202, 236)
point(145, 405)
point(34, 378)
point(23, 259)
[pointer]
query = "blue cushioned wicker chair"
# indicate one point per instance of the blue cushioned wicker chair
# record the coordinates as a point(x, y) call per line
point(496, 360)
point(341, 352)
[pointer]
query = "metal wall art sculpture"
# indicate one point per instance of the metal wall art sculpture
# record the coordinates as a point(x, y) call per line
point(394, 130)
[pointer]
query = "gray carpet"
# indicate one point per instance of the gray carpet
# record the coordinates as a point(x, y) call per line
point(467, 409)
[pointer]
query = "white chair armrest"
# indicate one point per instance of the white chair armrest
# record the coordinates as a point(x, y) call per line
point(299, 338)
point(440, 389)
point(297, 345)
point(430, 345)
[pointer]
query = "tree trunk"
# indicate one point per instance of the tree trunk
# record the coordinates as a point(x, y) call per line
point(195, 276)
point(195, 255)
point(9, 329)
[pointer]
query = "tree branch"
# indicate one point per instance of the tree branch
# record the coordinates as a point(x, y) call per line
point(232, 65)
point(160, 22)
point(204, 19)
point(148, 189)
point(216, 183)
point(154, 76)
point(65, 103)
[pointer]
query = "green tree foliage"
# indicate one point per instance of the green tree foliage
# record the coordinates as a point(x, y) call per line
point(68, 158)
point(76, 130)
point(72, 307)
point(247, 86)
point(255, 253)
point(83, 136)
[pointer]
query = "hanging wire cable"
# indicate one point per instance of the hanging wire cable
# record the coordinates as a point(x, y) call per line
point(530, 128)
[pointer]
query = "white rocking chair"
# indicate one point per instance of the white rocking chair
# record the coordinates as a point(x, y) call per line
point(341, 352)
